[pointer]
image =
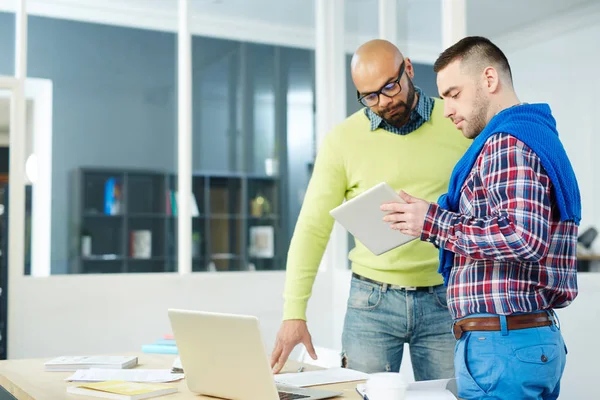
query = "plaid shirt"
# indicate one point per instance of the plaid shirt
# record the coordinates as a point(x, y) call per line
point(513, 254)
point(418, 116)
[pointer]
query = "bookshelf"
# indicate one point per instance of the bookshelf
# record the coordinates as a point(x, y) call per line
point(236, 222)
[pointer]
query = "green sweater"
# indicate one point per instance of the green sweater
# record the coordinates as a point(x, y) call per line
point(352, 159)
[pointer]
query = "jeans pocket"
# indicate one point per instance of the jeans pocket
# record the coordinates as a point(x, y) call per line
point(439, 295)
point(363, 296)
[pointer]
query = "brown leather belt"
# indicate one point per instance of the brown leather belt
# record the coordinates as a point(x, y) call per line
point(521, 321)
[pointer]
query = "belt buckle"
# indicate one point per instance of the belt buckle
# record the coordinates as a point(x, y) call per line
point(409, 288)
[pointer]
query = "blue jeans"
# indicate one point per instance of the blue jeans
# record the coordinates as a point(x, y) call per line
point(380, 320)
point(522, 364)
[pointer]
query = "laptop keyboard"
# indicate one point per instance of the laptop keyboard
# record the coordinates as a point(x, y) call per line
point(291, 396)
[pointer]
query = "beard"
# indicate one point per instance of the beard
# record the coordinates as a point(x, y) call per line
point(478, 119)
point(399, 114)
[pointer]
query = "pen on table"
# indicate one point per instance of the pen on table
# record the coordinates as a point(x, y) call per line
point(301, 369)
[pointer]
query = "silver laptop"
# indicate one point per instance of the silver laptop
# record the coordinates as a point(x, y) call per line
point(362, 217)
point(223, 355)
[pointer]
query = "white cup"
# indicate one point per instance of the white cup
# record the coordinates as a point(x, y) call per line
point(386, 386)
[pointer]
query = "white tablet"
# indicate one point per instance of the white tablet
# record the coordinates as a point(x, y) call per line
point(363, 218)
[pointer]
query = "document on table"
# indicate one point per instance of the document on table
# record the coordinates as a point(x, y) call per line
point(422, 390)
point(177, 367)
point(320, 377)
point(128, 375)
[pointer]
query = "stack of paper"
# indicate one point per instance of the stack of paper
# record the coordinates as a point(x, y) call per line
point(73, 363)
point(128, 375)
point(122, 390)
point(422, 390)
point(320, 377)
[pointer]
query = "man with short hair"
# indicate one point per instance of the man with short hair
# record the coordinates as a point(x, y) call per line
point(401, 137)
point(506, 230)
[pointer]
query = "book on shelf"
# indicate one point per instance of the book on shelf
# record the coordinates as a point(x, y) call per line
point(262, 242)
point(121, 390)
point(73, 363)
point(112, 196)
point(140, 244)
point(172, 201)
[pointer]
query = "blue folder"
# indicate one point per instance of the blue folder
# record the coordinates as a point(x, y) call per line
point(159, 349)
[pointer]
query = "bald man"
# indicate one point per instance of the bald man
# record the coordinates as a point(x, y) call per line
point(400, 137)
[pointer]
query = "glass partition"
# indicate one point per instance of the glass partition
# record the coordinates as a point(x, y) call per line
point(113, 145)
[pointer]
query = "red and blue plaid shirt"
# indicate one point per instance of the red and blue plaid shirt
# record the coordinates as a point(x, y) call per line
point(513, 254)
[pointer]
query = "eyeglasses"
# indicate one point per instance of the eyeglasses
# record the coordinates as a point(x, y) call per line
point(389, 90)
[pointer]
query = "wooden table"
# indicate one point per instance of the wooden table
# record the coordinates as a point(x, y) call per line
point(26, 379)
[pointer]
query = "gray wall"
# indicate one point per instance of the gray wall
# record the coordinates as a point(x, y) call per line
point(7, 46)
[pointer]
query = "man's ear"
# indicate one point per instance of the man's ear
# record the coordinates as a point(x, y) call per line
point(492, 79)
point(408, 67)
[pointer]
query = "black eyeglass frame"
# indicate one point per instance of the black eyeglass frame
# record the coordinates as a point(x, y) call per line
point(380, 91)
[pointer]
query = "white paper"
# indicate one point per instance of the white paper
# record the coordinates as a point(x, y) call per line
point(90, 360)
point(177, 367)
point(436, 384)
point(430, 395)
point(129, 375)
point(320, 377)
point(422, 390)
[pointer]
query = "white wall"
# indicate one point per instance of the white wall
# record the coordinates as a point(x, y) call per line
point(85, 314)
point(580, 324)
point(562, 71)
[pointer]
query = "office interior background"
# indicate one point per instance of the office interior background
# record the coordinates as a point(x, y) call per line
point(108, 109)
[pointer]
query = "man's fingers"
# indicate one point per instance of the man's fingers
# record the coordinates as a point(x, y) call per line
point(406, 197)
point(276, 353)
point(393, 207)
point(309, 347)
point(285, 353)
point(395, 218)
point(404, 228)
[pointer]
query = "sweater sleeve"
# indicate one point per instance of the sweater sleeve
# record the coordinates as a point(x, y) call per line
point(326, 190)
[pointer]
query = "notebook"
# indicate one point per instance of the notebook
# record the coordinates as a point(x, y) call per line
point(363, 218)
point(73, 363)
point(120, 390)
